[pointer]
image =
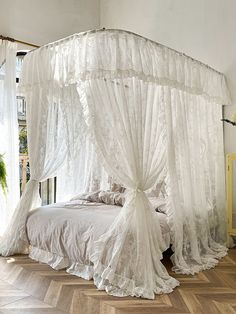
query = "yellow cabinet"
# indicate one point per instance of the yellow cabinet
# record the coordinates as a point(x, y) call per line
point(231, 193)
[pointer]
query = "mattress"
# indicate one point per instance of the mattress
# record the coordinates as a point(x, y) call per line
point(63, 234)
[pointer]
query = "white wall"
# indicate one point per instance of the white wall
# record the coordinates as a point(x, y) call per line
point(43, 21)
point(203, 29)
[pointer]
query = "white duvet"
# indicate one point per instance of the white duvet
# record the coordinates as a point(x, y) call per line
point(63, 234)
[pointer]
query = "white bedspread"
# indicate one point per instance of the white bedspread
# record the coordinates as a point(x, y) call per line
point(63, 234)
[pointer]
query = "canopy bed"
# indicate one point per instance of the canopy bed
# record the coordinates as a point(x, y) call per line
point(112, 105)
point(77, 225)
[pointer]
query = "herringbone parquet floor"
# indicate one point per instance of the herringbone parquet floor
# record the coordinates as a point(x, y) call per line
point(29, 287)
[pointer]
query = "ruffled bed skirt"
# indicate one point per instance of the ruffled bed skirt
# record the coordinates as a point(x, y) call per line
point(125, 286)
point(58, 262)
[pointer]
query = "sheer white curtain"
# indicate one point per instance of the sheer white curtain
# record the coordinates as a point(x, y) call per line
point(127, 120)
point(82, 170)
point(9, 145)
point(195, 180)
point(47, 143)
point(152, 132)
point(82, 173)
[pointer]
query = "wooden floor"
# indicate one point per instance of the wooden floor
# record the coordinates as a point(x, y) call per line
point(30, 287)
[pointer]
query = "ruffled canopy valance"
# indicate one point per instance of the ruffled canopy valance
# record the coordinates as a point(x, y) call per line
point(150, 116)
point(121, 54)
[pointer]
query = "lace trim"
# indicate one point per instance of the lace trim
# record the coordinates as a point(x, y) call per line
point(104, 277)
point(191, 267)
point(188, 266)
point(52, 259)
point(120, 74)
point(207, 263)
point(121, 54)
point(81, 270)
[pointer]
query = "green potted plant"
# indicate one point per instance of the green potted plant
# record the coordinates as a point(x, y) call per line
point(3, 175)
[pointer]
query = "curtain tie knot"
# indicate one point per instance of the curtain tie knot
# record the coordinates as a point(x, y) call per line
point(137, 189)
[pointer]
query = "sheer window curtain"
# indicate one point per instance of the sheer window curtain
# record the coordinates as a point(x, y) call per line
point(47, 143)
point(9, 145)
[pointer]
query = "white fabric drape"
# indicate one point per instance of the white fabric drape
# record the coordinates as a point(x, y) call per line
point(126, 119)
point(151, 114)
point(90, 174)
point(117, 53)
point(47, 150)
point(195, 181)
point(82, 170)
point(9, 146)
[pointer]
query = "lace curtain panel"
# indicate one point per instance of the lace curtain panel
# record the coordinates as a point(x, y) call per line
point(8, 131)
point(195, 181)
point(144, 114)
point(127, 117)
point(47, 150)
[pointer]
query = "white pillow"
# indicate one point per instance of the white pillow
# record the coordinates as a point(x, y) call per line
point(112, 198)
point(91, 197)
point(115, 187)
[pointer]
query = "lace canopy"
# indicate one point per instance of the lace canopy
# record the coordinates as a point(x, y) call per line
point(111, 103)
point(114, 54)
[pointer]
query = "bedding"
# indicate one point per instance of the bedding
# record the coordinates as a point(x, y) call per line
point(106, 197)
point(118, 198)
point(63, 234)
point(91, 197)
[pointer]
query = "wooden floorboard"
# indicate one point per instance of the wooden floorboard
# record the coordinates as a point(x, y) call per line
point(30, 287)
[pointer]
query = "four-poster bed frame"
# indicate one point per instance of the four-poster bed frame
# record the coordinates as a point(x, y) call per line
point(111, 105)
